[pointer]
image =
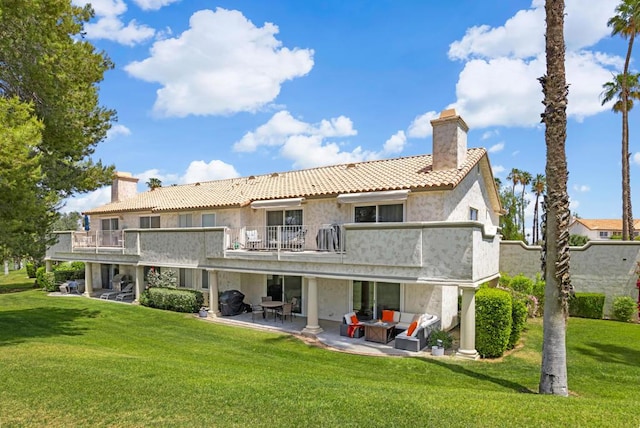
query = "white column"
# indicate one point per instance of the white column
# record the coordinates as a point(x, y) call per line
point(139, 282)
point(468, 324)
point(312, 327)
point(88, 279)
point(48, 266)
point(213, 294)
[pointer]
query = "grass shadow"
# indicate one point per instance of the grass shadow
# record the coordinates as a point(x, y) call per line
point(610, 353)
point(20, 325)
point(459, 369)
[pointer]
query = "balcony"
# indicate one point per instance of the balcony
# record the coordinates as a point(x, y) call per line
point(416, 251)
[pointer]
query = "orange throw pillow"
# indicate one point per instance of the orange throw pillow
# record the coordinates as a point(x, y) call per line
point(354, 319)
point(412, 328)
point(387, 316)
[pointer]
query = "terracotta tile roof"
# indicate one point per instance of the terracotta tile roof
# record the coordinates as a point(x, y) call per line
point(605, 224)
point(412, 173)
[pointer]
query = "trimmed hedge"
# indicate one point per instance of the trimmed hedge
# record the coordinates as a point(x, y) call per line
point(172, 299)
point(67, 271)
point(493, 321)
point(519, 314)
point(623, 308)
point(587, 305)
point(521, 284)
point(46, 279)
point(31, 269)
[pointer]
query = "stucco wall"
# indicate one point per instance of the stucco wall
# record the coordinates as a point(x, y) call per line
point(600, 267)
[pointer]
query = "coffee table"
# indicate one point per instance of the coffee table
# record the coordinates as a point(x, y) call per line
point(381, 332)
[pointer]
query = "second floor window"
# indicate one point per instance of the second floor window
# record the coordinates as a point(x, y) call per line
point(185, 220)
point(284, 218)
point(473, 214)
point(150, 222)
point(379, 213)
point(109, 224)
point(208, 220)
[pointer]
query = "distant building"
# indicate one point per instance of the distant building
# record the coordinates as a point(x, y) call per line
point(600, 229)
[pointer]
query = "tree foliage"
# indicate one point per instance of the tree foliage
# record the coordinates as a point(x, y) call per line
point(46, 63)
point(20, 196)
point(68, 221)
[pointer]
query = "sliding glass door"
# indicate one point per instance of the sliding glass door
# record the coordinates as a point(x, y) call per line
point(370, 298)
point(287, 289)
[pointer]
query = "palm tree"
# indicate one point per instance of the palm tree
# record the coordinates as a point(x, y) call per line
point(525, 180)
point(626, 24)
point(154, 183)
point(538, 187)
point(514, 177)
point(624, 86)
point(555, 250)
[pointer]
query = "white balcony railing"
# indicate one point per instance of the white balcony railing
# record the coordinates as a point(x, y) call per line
point(98, 239)
point(325, 237)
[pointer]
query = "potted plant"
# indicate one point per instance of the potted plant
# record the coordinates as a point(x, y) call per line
point(204, 312)
point(439, 340)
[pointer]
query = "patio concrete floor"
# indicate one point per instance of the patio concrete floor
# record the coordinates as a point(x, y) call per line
point(329, 337)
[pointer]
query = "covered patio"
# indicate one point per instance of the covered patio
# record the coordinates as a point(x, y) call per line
point(329, 337)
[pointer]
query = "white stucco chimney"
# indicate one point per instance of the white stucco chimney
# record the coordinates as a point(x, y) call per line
point(124, 186)
point(449, 141)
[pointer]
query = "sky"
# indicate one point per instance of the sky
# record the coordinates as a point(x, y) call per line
point(207, 90)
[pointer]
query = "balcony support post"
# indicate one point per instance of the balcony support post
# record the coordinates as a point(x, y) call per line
point(213, 294)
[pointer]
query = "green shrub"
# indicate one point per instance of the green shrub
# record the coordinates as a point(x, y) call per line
point(587, 305)
point(172, 299)
point(45, 279)
point(518, 321)
point(493, 321)
point(504, 280)
point(623, 308)
point(521, 284)
point(445, 336)
point(67, 271)
point(31, 269)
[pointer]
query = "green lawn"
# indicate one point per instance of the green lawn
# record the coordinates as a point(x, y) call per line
point(72, 361)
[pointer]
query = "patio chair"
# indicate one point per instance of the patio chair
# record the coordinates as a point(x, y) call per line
point(127, 292)
point(284, 312)
point(256, 310)
point(253, 241)
point(64, 288)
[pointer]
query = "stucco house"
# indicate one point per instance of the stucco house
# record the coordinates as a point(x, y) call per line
point(600, 229)
point(410, 234)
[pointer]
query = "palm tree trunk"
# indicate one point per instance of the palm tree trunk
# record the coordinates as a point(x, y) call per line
point(627, 213)
point(553, 374)
point(535, 227)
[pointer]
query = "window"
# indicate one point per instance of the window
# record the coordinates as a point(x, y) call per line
point(185, 220)
point(379, 213)
point(205, 279)
point(473, 214)
point(109, 224)
point(284, 218)
point(604, 234)
point(185, 278)
point(208, 220)
point(150, 222)
point(371, 298)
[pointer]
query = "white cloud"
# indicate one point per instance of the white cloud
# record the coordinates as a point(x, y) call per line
point(110, 26)
point(581, 188)
point(421, 125)
point(84, 202)
point(223, 64)
point(306, 143)
point(199, 171)
point(636, 158)
point(498, 85)
point(153, 4)
point(497, 170)
point(118, 130)
point(496, 148)
point(395, 144)
point(573, 205)
point(490, 134)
